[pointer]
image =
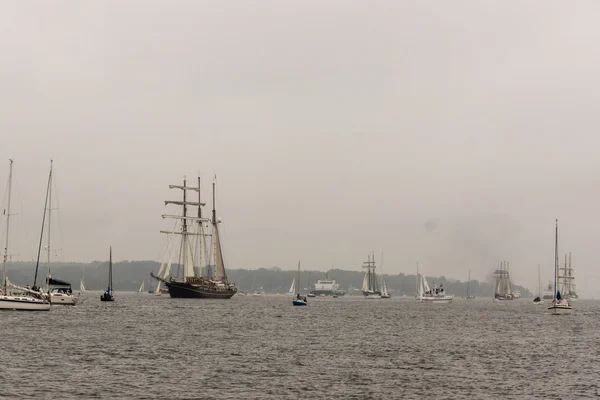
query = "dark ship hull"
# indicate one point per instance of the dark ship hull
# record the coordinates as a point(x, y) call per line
point(198, 291)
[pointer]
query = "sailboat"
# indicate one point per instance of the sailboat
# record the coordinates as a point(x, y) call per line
point(141, 289)
point(81, 285)
point(60, 291)
point(191, 283)
point(559, 305)
point(27, 299)
point(299, 300)
point(108, 294)
point(431, 295)
point(370, 286)
point(292, 290)
point(538, 300)
point(384, 291)
point(469, 297)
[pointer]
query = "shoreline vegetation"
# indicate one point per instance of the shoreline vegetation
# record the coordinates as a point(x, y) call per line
point(128, 276)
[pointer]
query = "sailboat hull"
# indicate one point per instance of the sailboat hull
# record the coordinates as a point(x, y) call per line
point(559, 310)
point(437, 300)
point(185, 290)
point(64, 299)
point(23, 303)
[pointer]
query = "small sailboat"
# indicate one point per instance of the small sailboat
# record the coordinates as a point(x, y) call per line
point(469, 296)
point(299, 300)
point(141, 289)
point(108, 295)
point(292, 290)
point(538, 300)
point(384, 291)
point(559, 305)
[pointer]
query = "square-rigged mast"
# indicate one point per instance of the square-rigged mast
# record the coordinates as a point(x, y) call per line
point(187, 251)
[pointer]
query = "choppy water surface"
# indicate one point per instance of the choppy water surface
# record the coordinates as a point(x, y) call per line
point(145, 346)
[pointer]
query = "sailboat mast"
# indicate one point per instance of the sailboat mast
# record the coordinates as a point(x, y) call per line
point(298, 285)
point(539, 287)
point(110, 271)
point(37, 264)
point(7, 227)
point(201, 230)
point(49, 210)
point(469, 283)
point(184, 231)
point(215, 234)
point(555, 258)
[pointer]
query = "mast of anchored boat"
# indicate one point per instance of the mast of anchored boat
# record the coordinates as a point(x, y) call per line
point(7, 227)
point(37, 264)
point(555, 259)
point(49, 210)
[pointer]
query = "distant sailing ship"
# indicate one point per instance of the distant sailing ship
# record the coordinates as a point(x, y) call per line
point(566, 281)
point(371, 286)
point(193, 282)
point(503, 290)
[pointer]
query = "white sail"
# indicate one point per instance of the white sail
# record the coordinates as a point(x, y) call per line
point(81, 286)
point(365, 285)
point(141, 287)
point(293, 287)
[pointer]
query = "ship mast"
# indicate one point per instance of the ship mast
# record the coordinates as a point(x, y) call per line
point(555, 259)
point(49, 210)
point(7, 228)
point(184, 231)
point(37, 264)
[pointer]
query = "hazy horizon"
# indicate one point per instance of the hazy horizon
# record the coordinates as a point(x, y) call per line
point(449, 134)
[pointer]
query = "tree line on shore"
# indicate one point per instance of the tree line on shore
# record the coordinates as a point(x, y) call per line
point(128, 276)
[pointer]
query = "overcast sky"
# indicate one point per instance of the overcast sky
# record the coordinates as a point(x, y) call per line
point(448, 133)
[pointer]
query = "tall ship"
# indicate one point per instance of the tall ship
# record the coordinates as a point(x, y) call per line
point(193, 279)
point(327, 287)
point(371, 287)
point(566, 281)
point(502, 289)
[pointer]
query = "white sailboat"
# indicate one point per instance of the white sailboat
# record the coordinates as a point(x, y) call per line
point(27, 299)
point(538, 300)
point(60, 291)
point(292, 290)
point(385, 294)
point(430, 295)
point(81, 285)
point(559, 305)
point(141, 289)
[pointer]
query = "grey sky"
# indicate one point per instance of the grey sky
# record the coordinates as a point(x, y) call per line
point(450, 133)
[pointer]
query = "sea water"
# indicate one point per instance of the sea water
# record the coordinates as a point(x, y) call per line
point(153, 347)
